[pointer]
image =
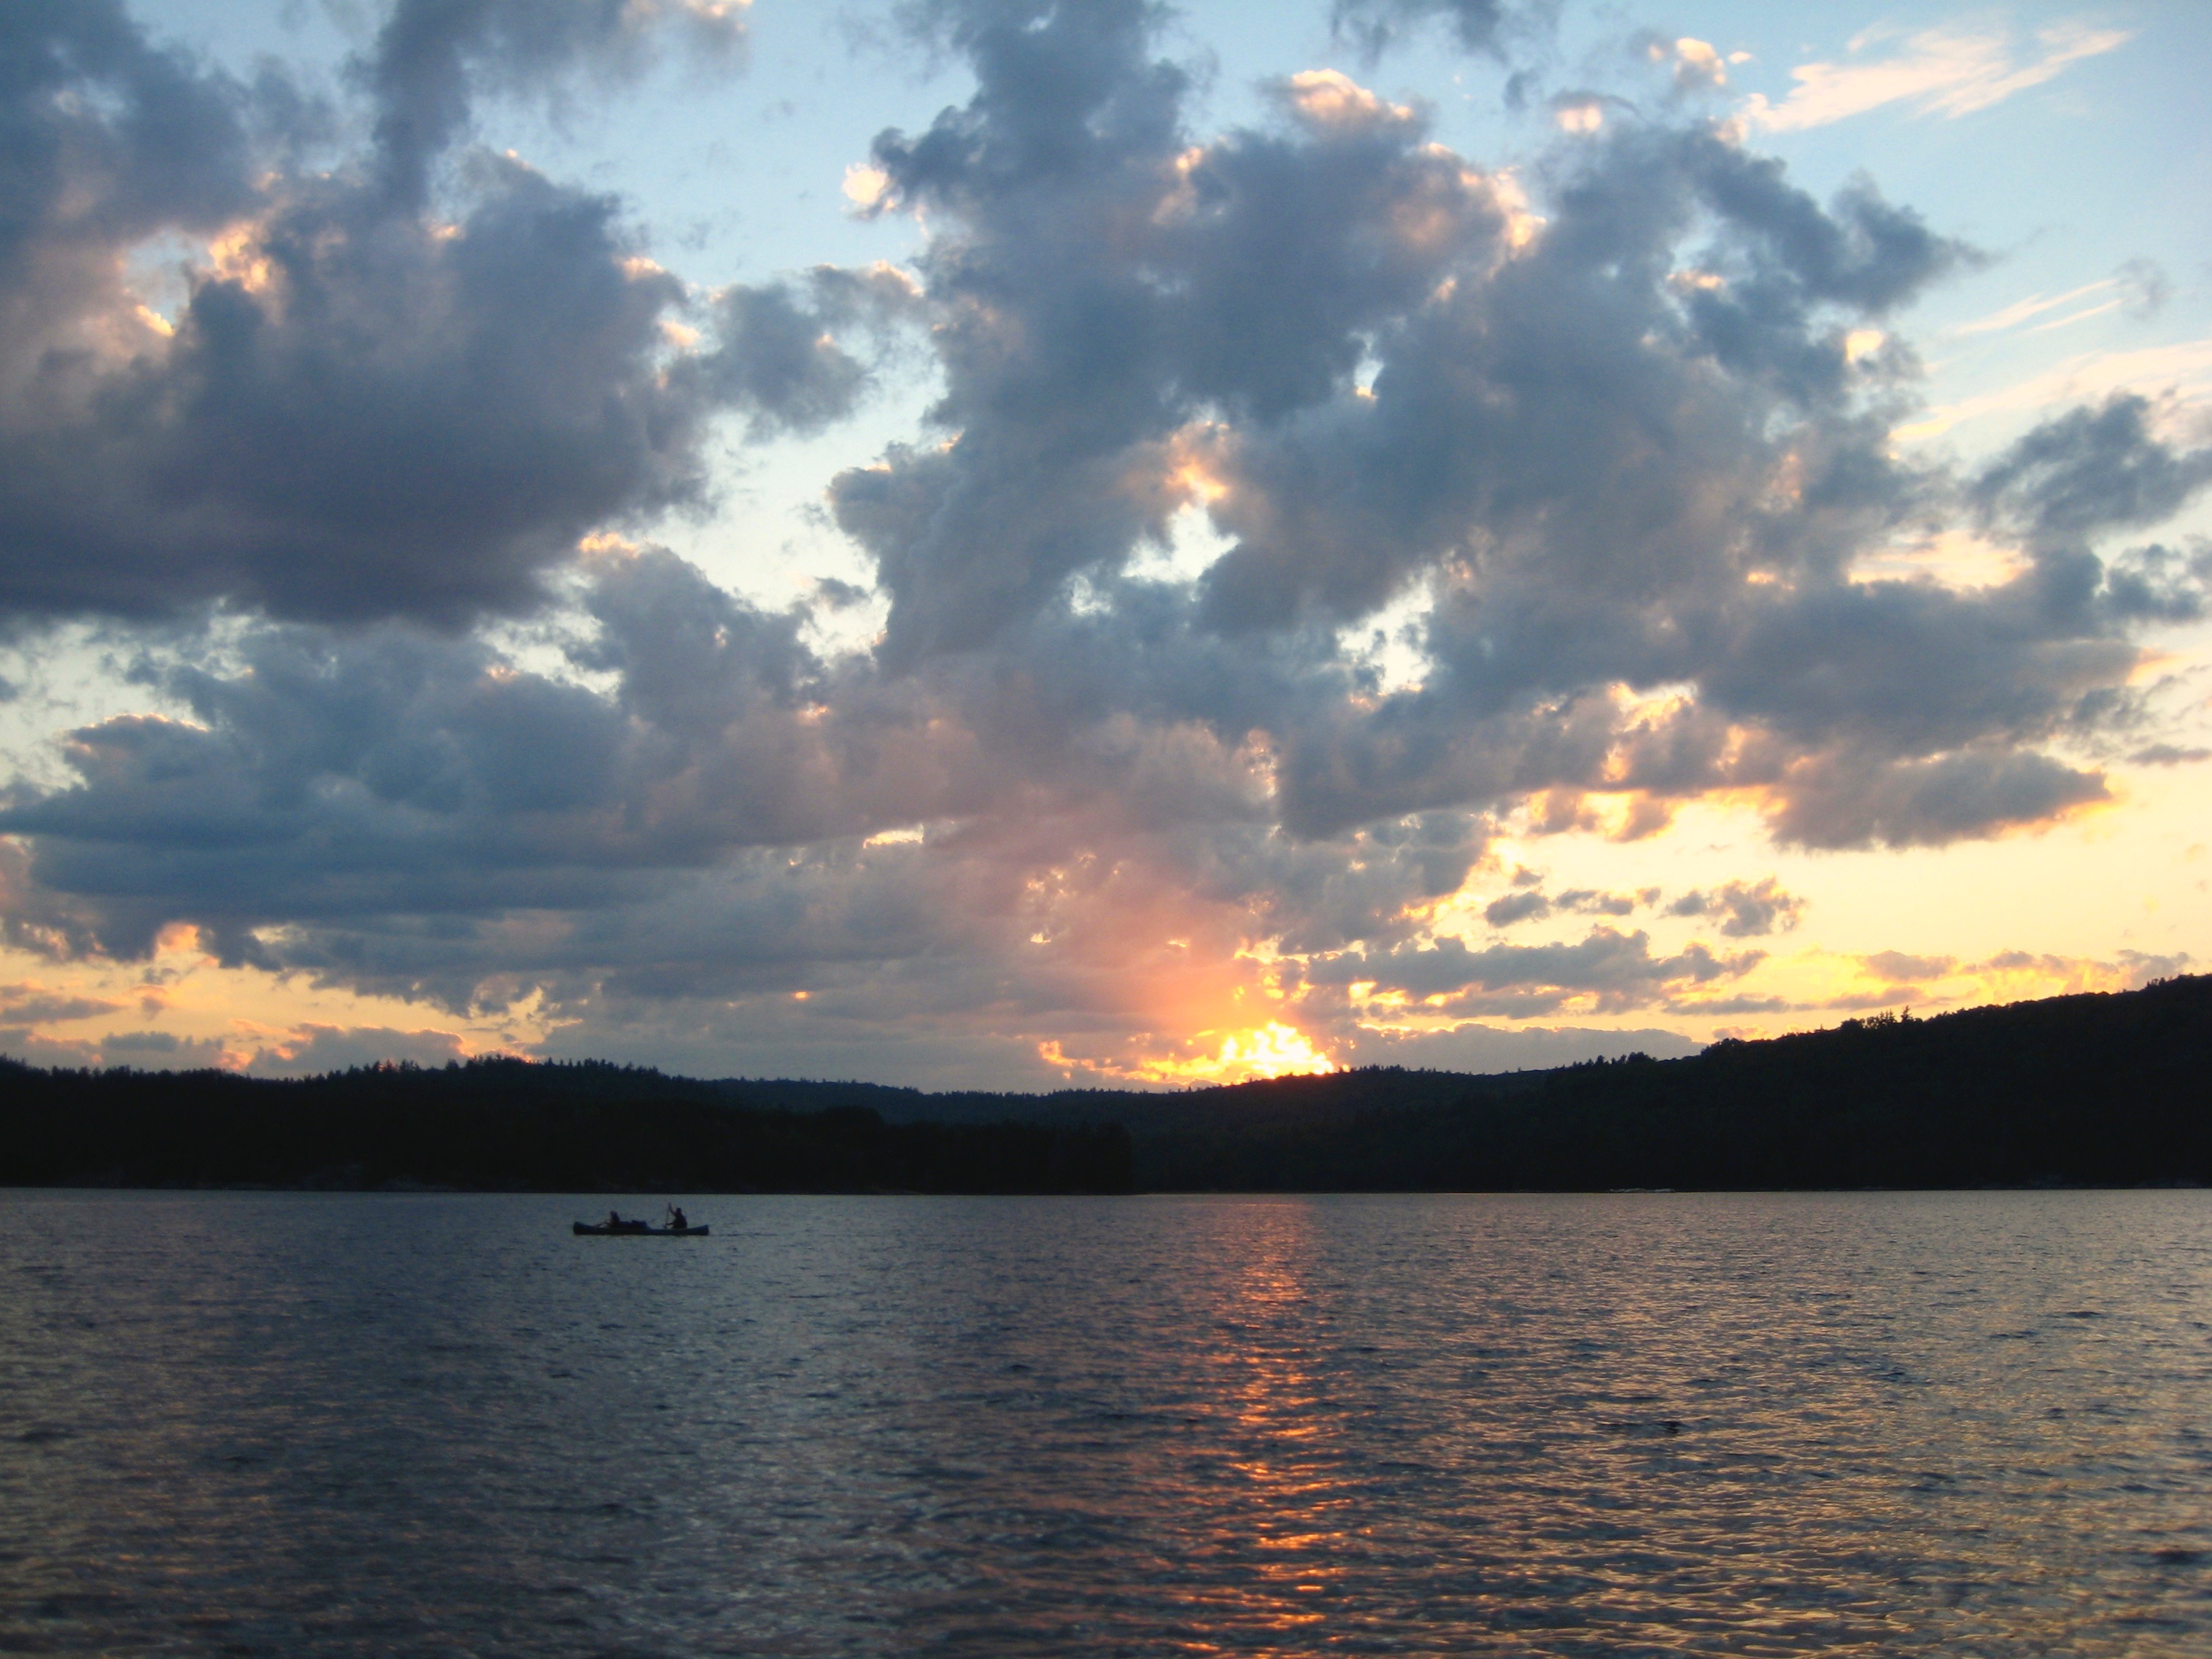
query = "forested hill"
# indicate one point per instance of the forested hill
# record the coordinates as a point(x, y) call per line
point(2092, 1089)
point(510, 1126)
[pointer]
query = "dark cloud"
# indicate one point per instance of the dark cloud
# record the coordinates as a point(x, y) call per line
point(1616, 971)
point(2166, 754)
point(315, 1049)
point(432, 57)
point(2157, 583)
point(1484, 26)
point(1748, 909)
point(164, 1043)
point(1543, 435)
point(1849, 800)
point(2087, 471)
point(1617, 445)
point(1590, 901)
point(1516, 907)
point(377, 398)
point(26, 1005)
point(776, 355)
point(162, 1051)
point(1527, 904)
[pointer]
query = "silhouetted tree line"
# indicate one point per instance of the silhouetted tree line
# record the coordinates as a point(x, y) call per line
point(2094, 1090)
point(2091, 1090)
point(507, 1125)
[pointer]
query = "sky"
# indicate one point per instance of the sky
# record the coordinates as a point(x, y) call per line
point(1004, 544)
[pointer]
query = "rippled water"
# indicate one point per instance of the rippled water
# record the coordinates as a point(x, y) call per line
point(282, 1424)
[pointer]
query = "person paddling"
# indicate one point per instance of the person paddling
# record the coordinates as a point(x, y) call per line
point(677, 1223)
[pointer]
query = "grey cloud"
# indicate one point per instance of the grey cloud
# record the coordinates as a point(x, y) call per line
point(1546, 441)
point(108, 137)
point(1499, 404)
point(776, 353)
point(1899, 967)
point(1621, 457)
point(1749, 910)
point(1851, 800)
point(1484, 26)
point(388, 771)
point(364, 410)
point(1529, 904)
point(162, 1051)
point(2166, 754)
point(432, 57)
point(2089, 470)
point(143, 1042)
point(1590, 901)
point(1515, 907)
point(2159, 583)
point(20, 1005)
point(1617, 968)
point(2148, 288)
point(384, 807)
point(1098, 286)
point(314, 1050)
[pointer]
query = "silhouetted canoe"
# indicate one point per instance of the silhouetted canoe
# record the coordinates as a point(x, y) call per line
point(633, 1230)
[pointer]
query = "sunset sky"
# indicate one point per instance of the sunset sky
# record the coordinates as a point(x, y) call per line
point(996, 543)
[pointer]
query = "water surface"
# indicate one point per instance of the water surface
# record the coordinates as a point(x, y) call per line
point(279, 1424)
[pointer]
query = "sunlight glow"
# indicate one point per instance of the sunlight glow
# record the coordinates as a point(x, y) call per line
point(1272, 1050)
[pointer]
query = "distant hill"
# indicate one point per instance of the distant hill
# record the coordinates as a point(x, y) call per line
point(2100, 1090)
point(2094, 1090)
point(510, 1126)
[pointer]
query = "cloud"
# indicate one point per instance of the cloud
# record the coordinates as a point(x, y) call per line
point(28, 1004)
point(432, 57)
point(1899, 967)
point(2035, 306)
point(1937, 72)
point(1849, 800)
point(383, 392)
point(1530, 904)
point(2141, 286)
point(2088, 471)
point(1599, 441)
point(1694, 66)
point(1516, 907)
point(2165, 754)
point(1484, 26)
point(1607, 970)
point(312, 1050)
point(160, 1051)
point(1749, 909)
point(152, 1051)
point(2180, 372)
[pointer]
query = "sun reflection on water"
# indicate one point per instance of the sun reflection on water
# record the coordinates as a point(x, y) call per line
point(1868, 1423)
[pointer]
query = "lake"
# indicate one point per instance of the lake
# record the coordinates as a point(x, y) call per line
point(1645, 1424)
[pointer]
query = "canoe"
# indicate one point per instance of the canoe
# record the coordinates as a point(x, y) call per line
point(635, 1229)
